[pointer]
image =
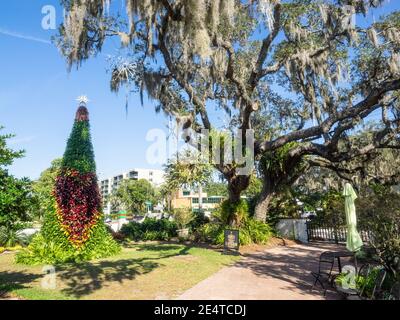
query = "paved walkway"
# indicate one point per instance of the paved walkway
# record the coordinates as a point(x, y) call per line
point(275, 274)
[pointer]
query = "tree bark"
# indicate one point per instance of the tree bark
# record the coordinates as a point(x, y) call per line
point(233, 193)
point(200, 198)
point(236, 185)
point(264, 200)
point(274, 181)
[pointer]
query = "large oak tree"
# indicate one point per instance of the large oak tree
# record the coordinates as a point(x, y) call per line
point(303, 74)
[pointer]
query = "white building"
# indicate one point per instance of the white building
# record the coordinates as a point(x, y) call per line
point(107, 186)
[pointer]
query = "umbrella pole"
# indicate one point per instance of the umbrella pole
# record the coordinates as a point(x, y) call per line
point(355, 262)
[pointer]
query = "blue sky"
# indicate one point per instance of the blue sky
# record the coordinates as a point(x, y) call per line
point(37, 97)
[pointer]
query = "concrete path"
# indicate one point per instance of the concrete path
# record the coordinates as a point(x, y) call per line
point(275, 274)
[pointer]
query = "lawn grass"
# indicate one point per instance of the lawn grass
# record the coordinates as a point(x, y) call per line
point(140, 271)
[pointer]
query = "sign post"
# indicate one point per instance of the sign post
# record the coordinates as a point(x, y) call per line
point(231, 241)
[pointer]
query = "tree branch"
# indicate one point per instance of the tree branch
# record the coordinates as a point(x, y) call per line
point(179, 78)
point(258, 69)
point(365, 107)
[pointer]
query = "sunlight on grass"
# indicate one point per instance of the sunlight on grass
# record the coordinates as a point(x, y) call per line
point(140, 271)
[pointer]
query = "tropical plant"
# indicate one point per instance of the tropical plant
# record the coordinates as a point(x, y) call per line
point(224, 212)
point(208, 232)
point(199, 219)
point(362, 283)
point(183, 217)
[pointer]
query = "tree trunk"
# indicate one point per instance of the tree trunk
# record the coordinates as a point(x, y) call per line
point(233, 193)
point(200, 198)
point(236, 185)
point(263, 202)
point(274, 180)
point(262, 206)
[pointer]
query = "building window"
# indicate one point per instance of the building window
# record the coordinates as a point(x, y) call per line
point(186, 193)
point(195, 200)
point(133, 175)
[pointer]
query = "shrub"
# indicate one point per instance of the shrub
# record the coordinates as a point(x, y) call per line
point(380, 215)
point(199, 221)
point(240, 210)
point(368, 282)
point(149, 230)
point(183, 217)
point(257, 231)
point(153, 235)
point(132, 231)
point(10, 237)
point(252, 231)
point(161, 225)
point(207, 232)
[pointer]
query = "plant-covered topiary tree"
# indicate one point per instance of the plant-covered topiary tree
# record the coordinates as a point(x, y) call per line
point(73, 229)
point(76, 191)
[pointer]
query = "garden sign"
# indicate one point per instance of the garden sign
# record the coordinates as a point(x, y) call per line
point(231, 241)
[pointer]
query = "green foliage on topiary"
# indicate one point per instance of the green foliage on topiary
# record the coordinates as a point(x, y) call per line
point(43, 187)
point(52, 246)
point(79, 153)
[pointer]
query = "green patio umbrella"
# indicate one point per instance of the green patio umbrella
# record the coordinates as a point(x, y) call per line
point(353, 241)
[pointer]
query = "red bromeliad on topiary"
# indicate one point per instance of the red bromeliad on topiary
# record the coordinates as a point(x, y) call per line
point(78, 202)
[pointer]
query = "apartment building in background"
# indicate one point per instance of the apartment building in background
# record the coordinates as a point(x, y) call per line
point(108, 185)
